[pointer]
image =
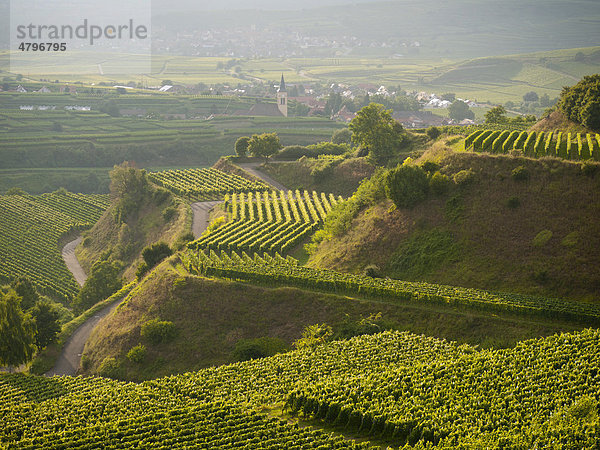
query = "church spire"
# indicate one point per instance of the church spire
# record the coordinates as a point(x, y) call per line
point(281, 85)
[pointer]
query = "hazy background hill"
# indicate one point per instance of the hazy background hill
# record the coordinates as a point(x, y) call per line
point(461, 28)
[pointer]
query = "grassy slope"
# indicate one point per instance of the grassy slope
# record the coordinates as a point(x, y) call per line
point(344, 179)
point(126, 241)
point(556, 121)
point(492, 244)
point(212, 315)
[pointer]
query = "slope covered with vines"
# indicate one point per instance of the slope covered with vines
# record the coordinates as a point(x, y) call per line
point(572, 146)
point(272, 221)
point(204, 184)
point(30, 230)
point(399, 388)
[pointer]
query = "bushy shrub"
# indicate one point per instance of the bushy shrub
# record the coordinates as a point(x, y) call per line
point(433, 132)
point(439, 183)
point(406, 186)
point(542, 238)
point(423, 252)
point(430, 166)
point(513, 202)
point(137, 354)
point(313, 336)
point(372, 271)
point(520, 173)
point(464, 177)
point(110, 368)
point(152, 255)
point(169, 213)
point(571, 239)
point(158, 331)
point(292, 152)
point(247, 349)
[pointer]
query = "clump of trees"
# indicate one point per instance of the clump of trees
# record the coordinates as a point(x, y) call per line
point(130, 187)
point(104, 280)
point(581, 103)
point(153, 254)
point(498, 115)
point(374, 129)
point(28, 322)
point(264, 145)
point(459, 110)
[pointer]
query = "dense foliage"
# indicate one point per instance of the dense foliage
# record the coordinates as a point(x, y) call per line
point(375, 131)
point(17, 331)
point(406, 185)
point(104, 280)
point(581, 103)
point(268, 221)
point(30, 230)
point(204, 184)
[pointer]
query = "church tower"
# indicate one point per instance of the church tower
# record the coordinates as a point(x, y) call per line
point(282, 98)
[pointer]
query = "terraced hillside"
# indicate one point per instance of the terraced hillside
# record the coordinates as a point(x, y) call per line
point(269, 221)
point(572, 146)
point(30, 230)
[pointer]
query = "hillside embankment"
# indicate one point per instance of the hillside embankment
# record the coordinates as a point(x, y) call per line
point(505, 223)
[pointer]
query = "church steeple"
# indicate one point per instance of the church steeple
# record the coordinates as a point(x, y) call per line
point(281, 85)
point(282, 98)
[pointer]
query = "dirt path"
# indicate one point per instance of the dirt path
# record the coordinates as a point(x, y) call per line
point(201, 212)
point(69, 360)
point(253, 169)
point(68, 254)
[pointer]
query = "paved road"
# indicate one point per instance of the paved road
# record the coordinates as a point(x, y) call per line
point(253, 169)
point(70, 359)
point(68, 254)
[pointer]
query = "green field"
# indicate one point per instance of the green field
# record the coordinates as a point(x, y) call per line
point(61, 139)
point(494, 79)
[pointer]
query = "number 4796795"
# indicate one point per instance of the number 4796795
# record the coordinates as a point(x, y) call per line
point(43, 46)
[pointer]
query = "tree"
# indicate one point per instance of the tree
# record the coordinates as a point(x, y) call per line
point(241, 145)
point(17, 331)
point(343, 136)
point(406, 185)
point(375, 129)
point(265, 145)
point(459, 110)
point(496, 115)
point(152, 255)
point(129, 186)
point(46, 322)
point(104, 280)
point(110, 108)
point(531, 97)
point(26, 290)
point(581, 103)
point(334, 103)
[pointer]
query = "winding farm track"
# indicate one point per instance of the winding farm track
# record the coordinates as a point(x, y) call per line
point(70, 358)
point(68, 254)
point(252, 168)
